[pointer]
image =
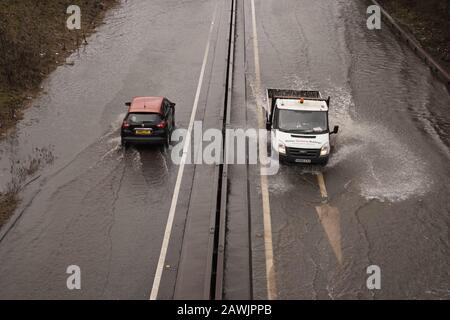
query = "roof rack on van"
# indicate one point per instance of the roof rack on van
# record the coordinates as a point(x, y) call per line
point(274, 94)
point(292, 94)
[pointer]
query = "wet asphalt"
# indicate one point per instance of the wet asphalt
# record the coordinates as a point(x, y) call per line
point(88, 202)
point(387, 183)
point(93, 204)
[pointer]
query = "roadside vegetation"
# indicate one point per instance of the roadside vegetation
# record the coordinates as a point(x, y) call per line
point(428, 21)
point(34, 40)
point(8, 203)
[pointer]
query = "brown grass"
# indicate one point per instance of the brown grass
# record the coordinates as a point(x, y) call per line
point(428, 21)
point(8, 203)
point(34, 39)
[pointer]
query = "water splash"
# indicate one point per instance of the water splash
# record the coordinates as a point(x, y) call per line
point(390, 170)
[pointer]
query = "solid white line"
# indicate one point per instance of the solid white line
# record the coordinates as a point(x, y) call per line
point(267, 220)
point(173, 206)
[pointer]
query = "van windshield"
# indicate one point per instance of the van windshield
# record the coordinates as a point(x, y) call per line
point(139, 118)
point(302, 121)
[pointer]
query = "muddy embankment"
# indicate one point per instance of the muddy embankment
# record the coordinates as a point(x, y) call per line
point(34, 40)
point(428, 21)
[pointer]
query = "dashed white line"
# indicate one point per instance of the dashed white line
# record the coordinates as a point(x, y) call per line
point(321, 182)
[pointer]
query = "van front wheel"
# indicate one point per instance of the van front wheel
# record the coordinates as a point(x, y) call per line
point(324, 162)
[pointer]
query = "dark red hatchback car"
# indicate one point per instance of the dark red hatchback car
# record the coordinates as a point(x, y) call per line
point(149, 120)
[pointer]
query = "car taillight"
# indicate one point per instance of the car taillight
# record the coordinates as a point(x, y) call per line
point(162, 124)
point(125, 125)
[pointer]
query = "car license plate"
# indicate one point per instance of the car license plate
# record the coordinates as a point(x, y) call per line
point(143, 132)
point(303, 160)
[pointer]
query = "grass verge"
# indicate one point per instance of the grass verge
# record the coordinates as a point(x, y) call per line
point(428, 21)
point(8, 203)
point(34, 40)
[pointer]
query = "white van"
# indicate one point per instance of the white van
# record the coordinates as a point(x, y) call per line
point(298, 121)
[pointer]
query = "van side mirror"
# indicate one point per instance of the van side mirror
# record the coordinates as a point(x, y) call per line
point(128, 104)
point(335, 130)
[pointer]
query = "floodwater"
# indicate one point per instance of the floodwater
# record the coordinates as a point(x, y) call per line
point(388, 178)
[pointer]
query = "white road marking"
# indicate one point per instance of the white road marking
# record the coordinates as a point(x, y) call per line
point(330, 219)
point(328, 216)
point(173, 205)
point(268, 244)
point(321, 182)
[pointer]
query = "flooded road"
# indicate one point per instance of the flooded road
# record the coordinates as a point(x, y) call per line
point(383, 198)
point(87, 201)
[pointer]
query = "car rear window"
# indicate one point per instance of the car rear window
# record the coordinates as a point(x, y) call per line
point(138, 118)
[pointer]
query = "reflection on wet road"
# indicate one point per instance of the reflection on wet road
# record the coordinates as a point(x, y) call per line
point(383, 198)
point(94, 204)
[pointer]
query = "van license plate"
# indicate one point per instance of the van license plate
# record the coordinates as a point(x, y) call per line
point(303, 160)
